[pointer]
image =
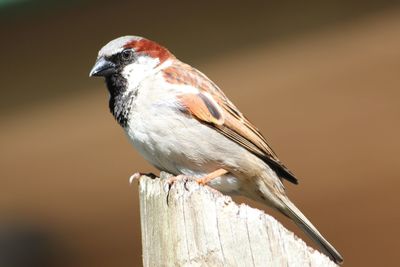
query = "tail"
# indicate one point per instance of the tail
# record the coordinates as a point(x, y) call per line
point(297, 216)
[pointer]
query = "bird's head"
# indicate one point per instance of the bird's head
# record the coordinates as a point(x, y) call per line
point(128, 60)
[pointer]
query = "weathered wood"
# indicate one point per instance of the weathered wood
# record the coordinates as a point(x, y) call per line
point(195, 225)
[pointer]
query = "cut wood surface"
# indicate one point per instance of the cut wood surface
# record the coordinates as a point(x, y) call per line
point(193, 225)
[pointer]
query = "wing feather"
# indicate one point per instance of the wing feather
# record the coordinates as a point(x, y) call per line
point(212, 107)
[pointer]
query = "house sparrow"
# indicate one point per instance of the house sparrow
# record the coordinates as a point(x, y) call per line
point(182, 123)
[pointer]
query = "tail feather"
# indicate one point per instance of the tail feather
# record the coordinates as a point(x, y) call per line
point(298, 217)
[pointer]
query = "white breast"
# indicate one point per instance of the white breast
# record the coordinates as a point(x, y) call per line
point(174, 142)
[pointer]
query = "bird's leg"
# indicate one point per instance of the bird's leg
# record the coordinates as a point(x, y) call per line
point(211, 176)
point(202, 181)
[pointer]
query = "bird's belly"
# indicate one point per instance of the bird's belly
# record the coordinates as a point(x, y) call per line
point(181, 145)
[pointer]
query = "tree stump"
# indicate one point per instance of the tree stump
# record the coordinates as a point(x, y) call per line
point(193, 225)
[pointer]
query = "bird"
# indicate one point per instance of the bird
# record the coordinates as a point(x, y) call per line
point(181, 122)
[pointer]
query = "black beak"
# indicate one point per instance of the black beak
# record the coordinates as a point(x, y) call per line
point(102, 67)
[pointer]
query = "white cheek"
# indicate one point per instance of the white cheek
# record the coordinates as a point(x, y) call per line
point(138, 71)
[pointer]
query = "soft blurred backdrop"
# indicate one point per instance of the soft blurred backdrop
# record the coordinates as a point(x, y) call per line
point(321, 79)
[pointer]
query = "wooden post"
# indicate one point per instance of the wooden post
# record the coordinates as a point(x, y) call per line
point(192, 225)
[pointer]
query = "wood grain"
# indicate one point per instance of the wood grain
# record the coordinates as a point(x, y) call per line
point(193, 225)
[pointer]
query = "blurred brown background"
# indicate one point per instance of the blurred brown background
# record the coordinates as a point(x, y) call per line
point(321, 79)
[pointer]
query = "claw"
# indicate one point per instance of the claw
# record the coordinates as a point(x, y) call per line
point(137, 175)
point(134, 176)
point(171, 180)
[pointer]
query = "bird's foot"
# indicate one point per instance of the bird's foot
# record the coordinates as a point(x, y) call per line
point(173, 179)
point(137, 175)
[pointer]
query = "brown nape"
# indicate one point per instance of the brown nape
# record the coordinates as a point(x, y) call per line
point(150, 48)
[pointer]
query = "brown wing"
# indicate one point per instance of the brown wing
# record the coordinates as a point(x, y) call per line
point(212, 107)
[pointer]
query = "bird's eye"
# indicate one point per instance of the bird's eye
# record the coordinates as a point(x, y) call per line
point(127, 55)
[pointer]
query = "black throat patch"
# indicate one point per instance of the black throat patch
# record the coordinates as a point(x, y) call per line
point(121, 102)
